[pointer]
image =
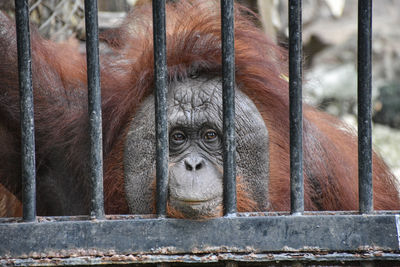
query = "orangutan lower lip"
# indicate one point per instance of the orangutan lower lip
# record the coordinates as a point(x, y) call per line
point(191, 202)
point(194, 202)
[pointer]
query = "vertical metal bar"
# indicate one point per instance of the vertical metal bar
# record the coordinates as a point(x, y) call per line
point(27, 115)
point(364, 106)
point(94, 98)
point(160, 80)
point(228, 96)
point(295, 108)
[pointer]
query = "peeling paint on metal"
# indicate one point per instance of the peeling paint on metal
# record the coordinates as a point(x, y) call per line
point(203, 258)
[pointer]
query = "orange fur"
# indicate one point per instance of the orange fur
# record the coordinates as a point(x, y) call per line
point(245, 202)
point(10, 206)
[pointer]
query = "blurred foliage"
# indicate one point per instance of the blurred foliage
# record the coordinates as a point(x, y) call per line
point(58, 20)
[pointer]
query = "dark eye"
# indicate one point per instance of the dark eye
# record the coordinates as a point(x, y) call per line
point(210, 135)
point(178, 137)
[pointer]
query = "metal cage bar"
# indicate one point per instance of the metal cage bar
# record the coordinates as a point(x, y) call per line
point(322, 236)
point(27, 115)
point(160, 81)
point(228, 105)
point(94, 98)
point(364, 79)
point(295, 108)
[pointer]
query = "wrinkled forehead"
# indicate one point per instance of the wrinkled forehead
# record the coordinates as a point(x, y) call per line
point(204, 94)
point(198, 101)
point(196, 94)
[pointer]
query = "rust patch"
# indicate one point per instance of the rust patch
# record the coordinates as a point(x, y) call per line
point(201, 258)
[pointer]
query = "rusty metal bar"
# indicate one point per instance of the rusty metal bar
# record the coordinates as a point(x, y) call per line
point(272, 234)
point(228, 105)
point(94, 107)
point(365, 106)
point(295, 108)
point(256, 259)
point(160, 81)
point(27, 115)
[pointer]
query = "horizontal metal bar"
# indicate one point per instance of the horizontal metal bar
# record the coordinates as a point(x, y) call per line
point(272, 234)
point(27, 114)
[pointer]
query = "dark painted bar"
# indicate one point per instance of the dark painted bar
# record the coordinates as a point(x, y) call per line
point(228, 96)
point(160, 81)
point(295, 108)
point(94, 98)
point(27, 115)
point(247, 236)
point(364, 106)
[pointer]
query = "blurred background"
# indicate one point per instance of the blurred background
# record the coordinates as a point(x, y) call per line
point(330, 59)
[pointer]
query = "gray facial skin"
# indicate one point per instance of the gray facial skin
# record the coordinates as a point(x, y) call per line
point(195, 186)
